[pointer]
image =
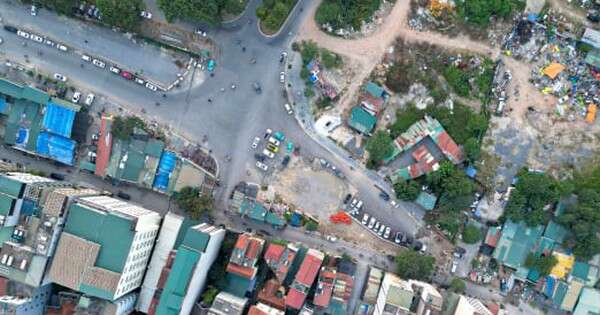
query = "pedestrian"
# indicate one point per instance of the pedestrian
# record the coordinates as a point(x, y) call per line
point(210, 100)
point(243, 48)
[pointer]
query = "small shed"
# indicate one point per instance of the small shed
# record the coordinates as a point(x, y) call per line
point(426, 200)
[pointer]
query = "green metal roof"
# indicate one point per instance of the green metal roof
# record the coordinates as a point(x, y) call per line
point(6, 234)
point(546, 245)
point(555, 232)
point(185, 225)
point(6, 204)
point(580, 270)
point(133, 166)
point(274, 219)
point(97, 292)
point(237, 285)
point(10, 186)
point(559, 293)
point(374, 89)
point(10, 88)
point(589, 302)
point(361, 120)
point(426, 200)
point(113, 233)
point(88, 166)
point(10, 133)
point(177, 282)
point(196, 240)
point(256, 211)
point(154, 147)
point(516, 243)
point(37, 96)
point(593, 59)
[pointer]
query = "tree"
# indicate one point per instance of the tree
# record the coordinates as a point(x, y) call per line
point(208, 11)
point(532, 193)
point(122, 128)
point(60, 6)
point(413, 265)
point(407, 190)
point(543, 264)
point(124, 14)
point(471, 234)
point(471, 149)
point(583, 220)
point(479, 12)
point(379, 146)
point(311, 225)
point(194, 204)
point(457, 286)
point(346, 13)
point(209, 295)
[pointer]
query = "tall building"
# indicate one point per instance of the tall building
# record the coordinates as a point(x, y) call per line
point(280, 258)
point(174, 282)
point(227, 304)
point(105, 247)
point(20, 191)
point(305, 277)
point(19, 299)
point(242, 267)
point(395, 296)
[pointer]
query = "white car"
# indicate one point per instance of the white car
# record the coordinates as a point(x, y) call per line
point(200, 32)
point(282, 77)
point(33, 10)
point(86, 58)
point(76, 97)
point(23, 34)
point(365, 219)
point(262, 166)
point(61, 47)
point(274, 141)
point(268, 153)
point(37, 38)
point(371, 223)
point(1, 40)
point(255, 142)
point(288, 108)
point(151, 87)
point(146, 14)
point(49, 42)
point(90, 99)
point(140, 81)
point(268, 132)
point(387, 232)
point(114, 70)
point(60, 77)
point(98, 63)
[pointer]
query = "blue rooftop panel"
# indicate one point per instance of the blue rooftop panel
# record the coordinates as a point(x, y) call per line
point(59, 119)
point(165, 168)
point(56, 147)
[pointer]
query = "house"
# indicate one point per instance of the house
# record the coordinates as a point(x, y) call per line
point(426, 200)
point(325, 286)
point(304, 279)
point(97, 263)
point(343, 286)
point(429, 301)
point(395, 296)
point(227, 304)
point(589, 302)
point(371, 289)
point(516, 242)
point(257, 212)
point(456, 304)
point(104, 147)
point(262, 309)
point(373, 98)
point(179, 266)
point(272, 294)
point(361, 120)
point(37, 123)
point(280, 258)
point(591, 37)
point(242, 267)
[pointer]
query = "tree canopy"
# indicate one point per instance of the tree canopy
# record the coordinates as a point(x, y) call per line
point(273, 13)
point(209, 11)
point(346, 13)
point(471, 234)
point(407, 190)
point(532, 193)
point(379, 146)
point(122, 127)
point(543, 264)
point(458, 286)
point(583, 220)
point(479, 12)
point(413, 265)
point(124, 14)
point(194, 203)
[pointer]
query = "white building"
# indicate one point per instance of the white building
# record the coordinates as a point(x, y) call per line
point(105, 247)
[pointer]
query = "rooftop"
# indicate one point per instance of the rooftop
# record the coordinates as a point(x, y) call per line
point(304, 279)
point(589, 302)
point(361, 120)
point(280, 258)
point(516, 242)
point(227, 304)
point(245, 255)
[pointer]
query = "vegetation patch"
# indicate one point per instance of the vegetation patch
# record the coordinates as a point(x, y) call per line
point(413, 265)
point(379, 146)
point(122, 127)
point(124, 14)
point(192, 202)
point(209, 11)
point(341, 14)
point(273, 13)
point(480, 12)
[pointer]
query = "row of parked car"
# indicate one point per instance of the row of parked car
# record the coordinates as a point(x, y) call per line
point(36, 38)
point(116, 70)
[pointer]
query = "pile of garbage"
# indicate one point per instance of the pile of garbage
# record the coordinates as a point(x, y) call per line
point(502, 78)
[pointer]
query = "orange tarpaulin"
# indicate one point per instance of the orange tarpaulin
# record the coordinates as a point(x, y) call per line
point(553, 70)
point(591, 113)
point(340, 217)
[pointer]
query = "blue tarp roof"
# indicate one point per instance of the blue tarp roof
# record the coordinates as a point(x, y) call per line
point(2, 105)
point(22, 137)
point(166, 165)
point(549, 286)
point(59, 119)
point(471, 171)
point(56, 147)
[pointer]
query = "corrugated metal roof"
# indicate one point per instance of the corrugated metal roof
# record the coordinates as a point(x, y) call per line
point(591, 37)
point(133, 166)
point(589, 302)
point(361, 120)
point(426, 200)
point(196, 240)
point(37, 96)
point(6, 204)
point(571, 296)
point(104, 146)
point(10, 186)
point(555, 232)
point(374, 89)
point(58, 119)
point(175, 288)
point(9, 88)
point(154, 147)
point(56, 147)
point(516, 243)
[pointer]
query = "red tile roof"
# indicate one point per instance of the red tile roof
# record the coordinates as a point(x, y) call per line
point(310, 268)
point(255, 311)
point(253, 249)
point(271, 295)
point(324, 288)
point(420, 152)
point(274, 252)
point(295, 299)
point(242, 241)
point(104, 146)
point(246, 272)
point(3, 286)
point(449, 147)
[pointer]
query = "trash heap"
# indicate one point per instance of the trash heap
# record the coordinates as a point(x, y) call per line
point(562, 65)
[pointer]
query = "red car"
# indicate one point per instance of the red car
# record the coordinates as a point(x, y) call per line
point(127, 75)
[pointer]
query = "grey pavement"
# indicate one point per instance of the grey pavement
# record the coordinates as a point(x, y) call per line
point(148, 60)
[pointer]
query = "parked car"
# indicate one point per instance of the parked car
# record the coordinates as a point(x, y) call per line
point(282, 77)
point(285, 160)
point(454, 266)
point(33, 10)
point(347, 198)
point(151, 87)
point(381, 230)
point(365, 219)
point(62, 47)
point(139, 81)
point(359, 204)
point(353, 203)
point(11, 29)
point(200, 32)
point(384, 196)
point(259, 157)
point(76, 97)
point(146, 14)
point(387, 232)
point(37, 38)
point(274, 141)
point(268, 153)
point(377, 225)
point(49, 42)
point(114, 70)
point(398, 238)
point(90, 99)
point(99, 63)
point(23, 34)
point(282, 56)
point(1, 40)
point(127, 75)
point(288, 108)
point(86, 58)
point(255, 142)
point(60, 77)
point(268, 133)
point(371, 223)
point(272, 148)
point(459, 252)
point(123, 195)
point(57, 176)
point(262, 166)
point(256, 87)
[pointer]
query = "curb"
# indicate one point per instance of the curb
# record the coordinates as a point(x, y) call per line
point(237, 18)
point(283, 26)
